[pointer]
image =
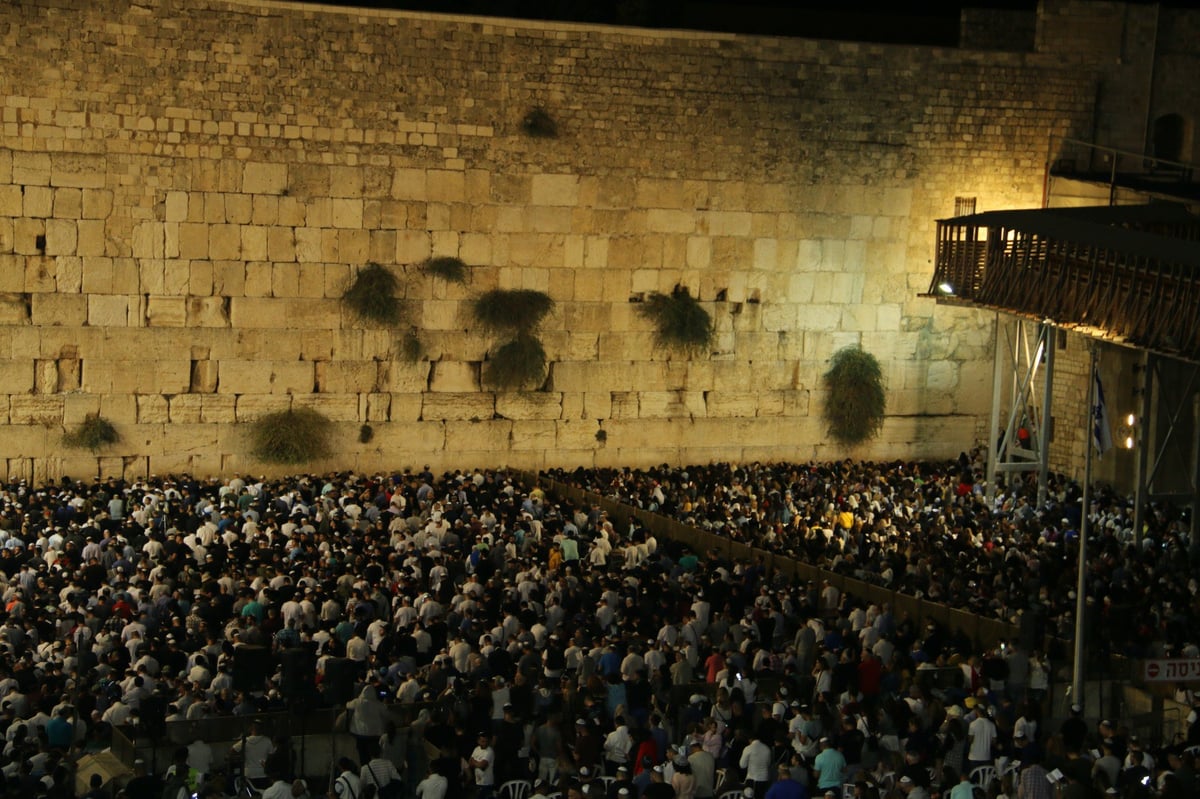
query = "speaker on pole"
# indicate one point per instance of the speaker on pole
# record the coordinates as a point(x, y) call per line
point(251, 667)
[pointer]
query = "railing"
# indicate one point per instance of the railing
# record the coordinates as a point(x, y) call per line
point(1132, 297)
point(1093, 162)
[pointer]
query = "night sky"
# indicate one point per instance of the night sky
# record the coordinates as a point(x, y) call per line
point(854, 20)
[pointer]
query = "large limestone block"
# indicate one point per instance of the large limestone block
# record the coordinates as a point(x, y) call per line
point(349, 377)
point(482, 436)
point(406, 376)
point(16, 376)
point(28, 409)
point(443, 185)
point(415, 441)
point(78, 170)
point(11, 201)
point(31, 168)
point(14, 309)
point(347, 213)
point(166, 311)
point(61, 237)
point(264, 178)
point(554, 190)
point(254, 406)
point(107, 311)
point(31, 440)
point(193, 240)
point(576, 434)
point(243, 377)
point(190, 439)
point(225, 242)
point(77, 407)
point(185, 408)
point(459, 407)
point(378, 407)
point(69, 310)
point(454, 377)
point(152, 409)
point(731, 404)
point(405, 407)
point(529, 405)
point(336, 407)
point(207, 312)
point(533, 436)
point(671, 221)
point(570, 346)
point(670, 404)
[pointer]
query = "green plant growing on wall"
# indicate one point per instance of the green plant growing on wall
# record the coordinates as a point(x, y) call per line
point(854, 401)
point(372, 295)
point(448, 268)
point(93, 433)
point(511, 311)
point(411, 348)
point(295, 436)
point(516, 363)
point(514, 313)
point(539, 124)
point(679, 321)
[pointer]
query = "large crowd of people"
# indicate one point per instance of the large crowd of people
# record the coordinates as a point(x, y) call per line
point(485, 632)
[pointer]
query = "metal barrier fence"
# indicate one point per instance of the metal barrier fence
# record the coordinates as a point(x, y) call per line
point(983, 631)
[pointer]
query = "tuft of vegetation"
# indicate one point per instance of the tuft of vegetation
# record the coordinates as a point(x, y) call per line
point(448, 268)
point(517, 363)
point(292, 437)
point(539, 124)
point(679, 321)
point(601, 436)
point(411, 348)
point(365, 434)
point(92, 433)
point(855, 401)
point(511, 311)
point(372, 295)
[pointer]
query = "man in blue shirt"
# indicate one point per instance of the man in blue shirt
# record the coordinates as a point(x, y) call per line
point(829, 766)
point(785, 787)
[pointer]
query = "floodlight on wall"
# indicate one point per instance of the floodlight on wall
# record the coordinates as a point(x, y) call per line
point(946, 287)
point(1127, 431)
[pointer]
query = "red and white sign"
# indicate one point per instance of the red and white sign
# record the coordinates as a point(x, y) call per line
point(1172, 670)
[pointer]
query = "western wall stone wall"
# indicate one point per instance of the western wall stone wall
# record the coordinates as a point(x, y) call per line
point(186, 189)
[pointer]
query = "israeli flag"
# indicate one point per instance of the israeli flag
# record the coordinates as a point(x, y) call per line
point(1101, 429)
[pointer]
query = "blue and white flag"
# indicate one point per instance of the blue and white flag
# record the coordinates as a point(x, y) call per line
point(1101, 429)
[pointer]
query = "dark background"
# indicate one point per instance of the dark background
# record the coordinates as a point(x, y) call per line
point(853, 20)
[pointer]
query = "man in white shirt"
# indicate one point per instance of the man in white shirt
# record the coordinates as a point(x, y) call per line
point(483, 761)
point(756, 761)
point(981, 733)
point(433, 786)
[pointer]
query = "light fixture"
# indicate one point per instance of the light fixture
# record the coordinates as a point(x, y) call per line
point(1127, 431)
point(946, 287)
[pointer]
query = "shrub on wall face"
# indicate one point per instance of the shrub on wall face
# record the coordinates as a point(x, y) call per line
point(511, 311)
point(679, 321)
point(855, 401)
point(92, 433)
point(372, 295)
point(291, 437)
point(517, 364)
point(447, 268)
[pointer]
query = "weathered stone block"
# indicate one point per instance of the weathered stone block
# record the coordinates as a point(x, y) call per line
point(16, 376)
point(207, 312)
point(378, 407)
point(152, 409)
point(349, 377)
point(107, 311)
point(336, 407)
point(193, 240)
point(68, 310)
point(533, 436)
point(184, 408)
point(250, 407)
point(34, 409)
point(454, 376)
point(406, 408)
point(80, 170)
point(264, 178)
point(529, 405)
point(446, 406)
point(445, 185)
point(77, 407)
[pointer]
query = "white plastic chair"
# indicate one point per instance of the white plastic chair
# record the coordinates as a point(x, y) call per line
point(983, 776)
point(736, 793)
point(515, 789)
